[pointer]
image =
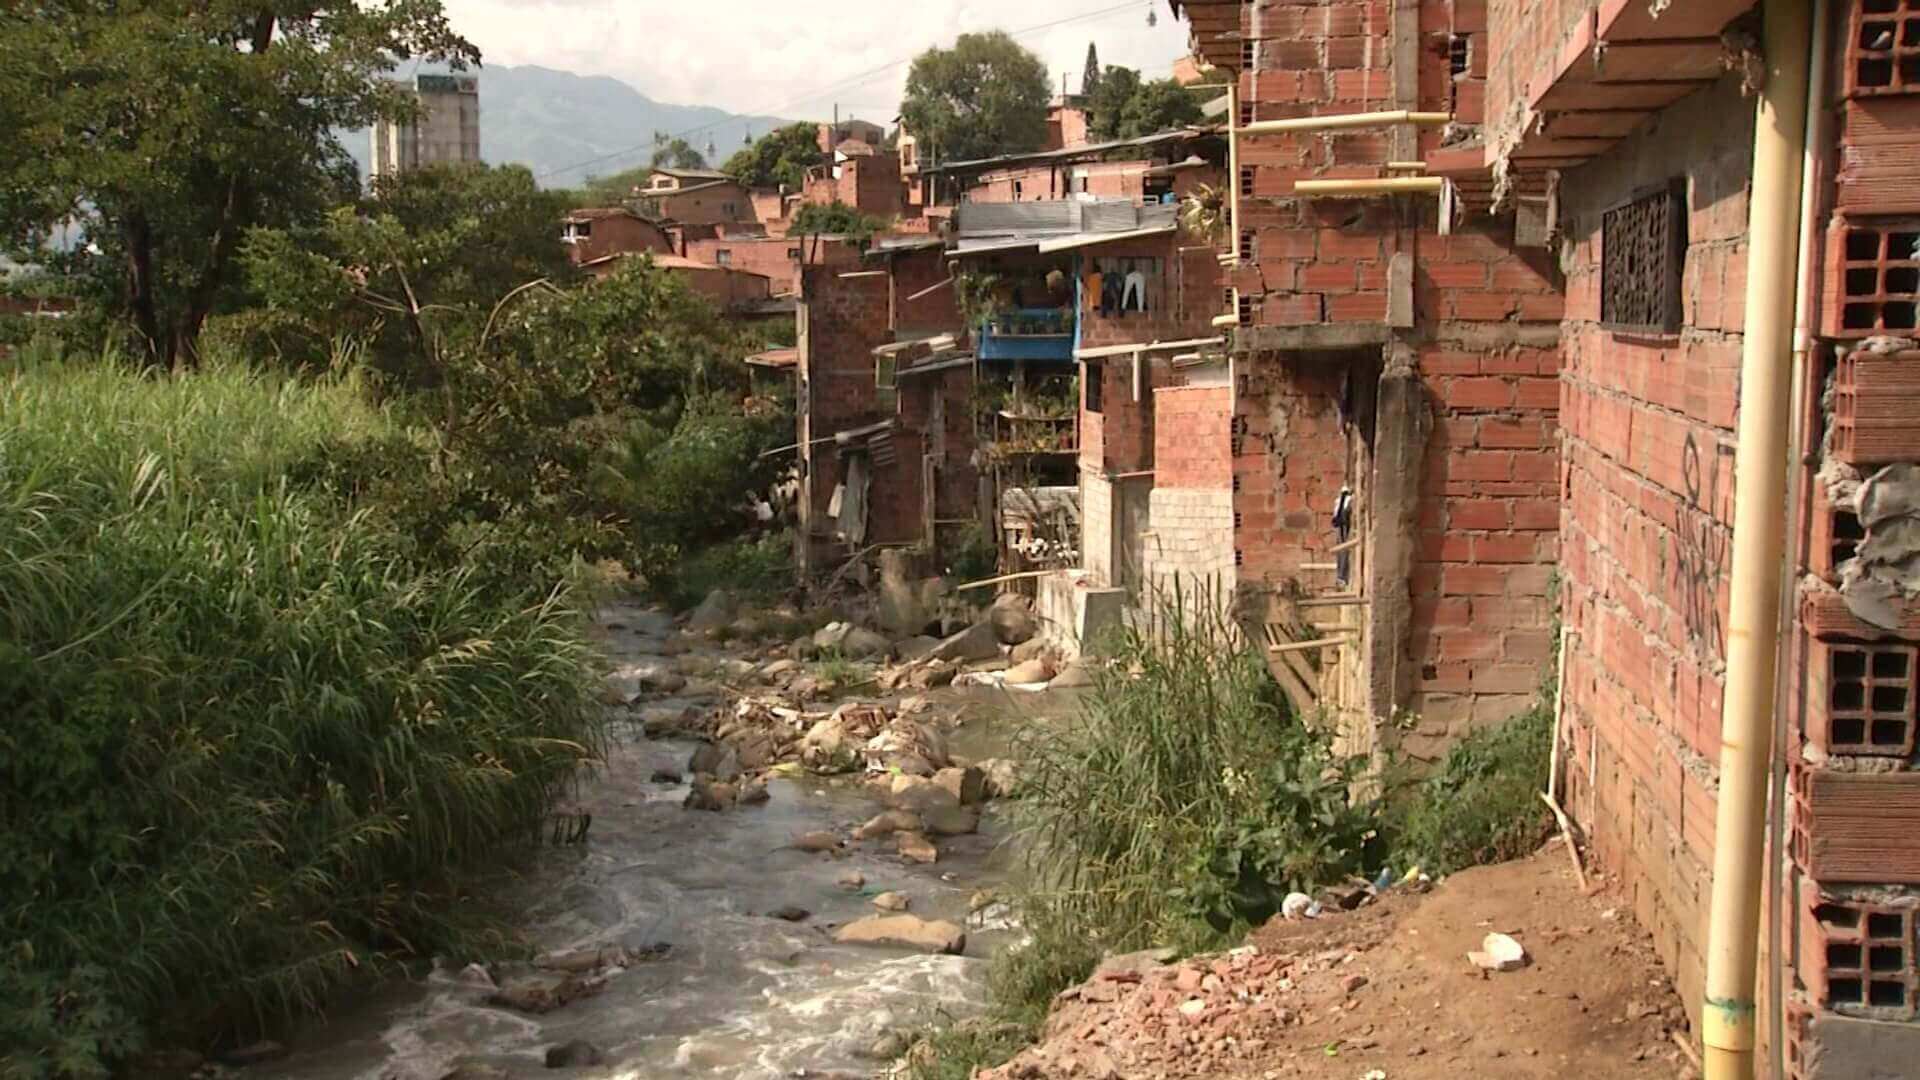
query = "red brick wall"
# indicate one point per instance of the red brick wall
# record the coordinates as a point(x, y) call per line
point(1646, 523)
point(620, 234)
point(1190, 435)
point(846, 319)
point(1181, 303)
point(1288, 464)
point(723, 204)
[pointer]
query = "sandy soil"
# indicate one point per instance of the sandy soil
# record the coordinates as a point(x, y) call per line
point(1386, 991)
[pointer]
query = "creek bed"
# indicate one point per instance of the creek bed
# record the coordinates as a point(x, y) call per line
point(740, 993)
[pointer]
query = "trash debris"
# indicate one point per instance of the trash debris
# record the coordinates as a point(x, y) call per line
point(1300, 906)
point(1498, 952)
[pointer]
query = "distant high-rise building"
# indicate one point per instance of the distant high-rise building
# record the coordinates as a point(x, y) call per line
point(448, 129)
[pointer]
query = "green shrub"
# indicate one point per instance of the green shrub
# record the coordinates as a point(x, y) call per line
point(758, 568)
point(1483, 803)
point(1185, 802)
point(255, 740)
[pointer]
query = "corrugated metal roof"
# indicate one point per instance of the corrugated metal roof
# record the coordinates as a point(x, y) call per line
point(1090, 150)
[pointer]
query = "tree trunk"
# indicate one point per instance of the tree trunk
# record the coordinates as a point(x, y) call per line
point(140, 289)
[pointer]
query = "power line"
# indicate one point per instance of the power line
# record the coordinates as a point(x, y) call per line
point(843, 84)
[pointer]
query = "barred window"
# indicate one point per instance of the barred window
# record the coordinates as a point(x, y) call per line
point(1643, 246)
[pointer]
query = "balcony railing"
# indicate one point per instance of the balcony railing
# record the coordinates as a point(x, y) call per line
point(1028, 334)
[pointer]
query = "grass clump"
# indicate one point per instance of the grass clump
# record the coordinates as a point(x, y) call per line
point(1186, 800)
point(256, 740)
point(1482, 804)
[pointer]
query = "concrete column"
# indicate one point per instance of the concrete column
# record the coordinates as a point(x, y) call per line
point(1402, 423)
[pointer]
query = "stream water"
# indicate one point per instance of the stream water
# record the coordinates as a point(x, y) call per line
point(740, 993)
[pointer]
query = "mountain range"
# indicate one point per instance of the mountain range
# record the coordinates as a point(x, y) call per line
point(569, 128)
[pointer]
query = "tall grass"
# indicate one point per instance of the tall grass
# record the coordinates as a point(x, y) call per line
point(254, 739)
point(1186, 800)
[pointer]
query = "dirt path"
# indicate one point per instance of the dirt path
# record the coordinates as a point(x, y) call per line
point(1386, 993)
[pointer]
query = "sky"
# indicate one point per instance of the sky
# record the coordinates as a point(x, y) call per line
point(799, 58)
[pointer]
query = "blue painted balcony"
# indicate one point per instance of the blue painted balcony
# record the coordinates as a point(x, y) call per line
point(1044, 334)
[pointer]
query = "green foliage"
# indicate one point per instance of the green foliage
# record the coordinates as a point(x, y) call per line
point(411, 271)
point(682, 489)
point(757, 568)
point(1126, 107)
point(1090, 74)
point(1185, 802)
point(835, 219)
point(984, 97)
point(676, 153)
point(268, 736)
point(780, 158)
point(972, 555)
point(1483, 803)
point(614, 190)
point(169, 128)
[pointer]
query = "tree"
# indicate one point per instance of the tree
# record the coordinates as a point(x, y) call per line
point(1116, 88)
point(401, 270)
point(1124, 107)
point(984, 97)
point(1090, 75)
point(1157, 106)
point(780, 157)
point(676, 154)
point(169, 127)
point(834, 219)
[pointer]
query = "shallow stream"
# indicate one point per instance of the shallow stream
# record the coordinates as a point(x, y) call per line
point(739, 994)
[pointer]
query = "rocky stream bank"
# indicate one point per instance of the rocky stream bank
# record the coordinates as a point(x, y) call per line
point(786, 863)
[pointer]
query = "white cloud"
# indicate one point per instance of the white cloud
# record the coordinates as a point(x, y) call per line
point(794, 59)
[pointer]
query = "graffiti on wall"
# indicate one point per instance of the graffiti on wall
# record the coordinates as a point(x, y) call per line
point(1701, 544)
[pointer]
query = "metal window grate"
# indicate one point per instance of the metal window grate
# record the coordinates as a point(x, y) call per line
point(1643, 247)
point(1878, 279)
point(1870, 699)
point(1883, 48)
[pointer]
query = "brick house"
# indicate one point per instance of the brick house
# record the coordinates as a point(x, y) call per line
point(696, 197)
point(595, 232)
point(1559, 373)
point(780, 258)
point(732, 290)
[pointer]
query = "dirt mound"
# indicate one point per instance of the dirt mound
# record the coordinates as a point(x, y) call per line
point(1387, 991)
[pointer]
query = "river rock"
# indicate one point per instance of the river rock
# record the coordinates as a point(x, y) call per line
point(753, 749)
point(709, 794)
point(968, 785)
point(918, 794)
point(832, 637)
point(1001, 776)
point(907, 747)
point(951, 821)
point(864, 644)
point(256, 1053)
point(717, 760)
point(1030, 649)
point(907, 930)
point(714, 612)
point(816, 841)
point(583, 961)
point(747, 627)
point(790, 913)
point(888, 823)
point(539, 997)
point(976, 642)
point(851, 880)
point(892, 901)
point(662, 681)
point(478, 1072)
point(1012, 622)
point(1072, 677)
point(829, 747)
point(1030, 672)
point(574, 1055)
point(775, 670)
point(803, 648)
point(659, 720)
point(753, 791)
point(672, 646)
point(886, 1047)
point(700, 688)
point(915, 648)
point(932, 673)
point(916, 847)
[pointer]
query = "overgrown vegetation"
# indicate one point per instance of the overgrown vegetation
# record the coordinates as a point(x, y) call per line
point(1184, 801)
point(780, 158)
point(1121, 105)
point(266, 733)
point(835, 219)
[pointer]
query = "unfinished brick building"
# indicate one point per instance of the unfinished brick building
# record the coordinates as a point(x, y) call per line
point(1535, 342)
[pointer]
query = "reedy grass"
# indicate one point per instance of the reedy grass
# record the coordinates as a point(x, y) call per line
point(255, 742)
